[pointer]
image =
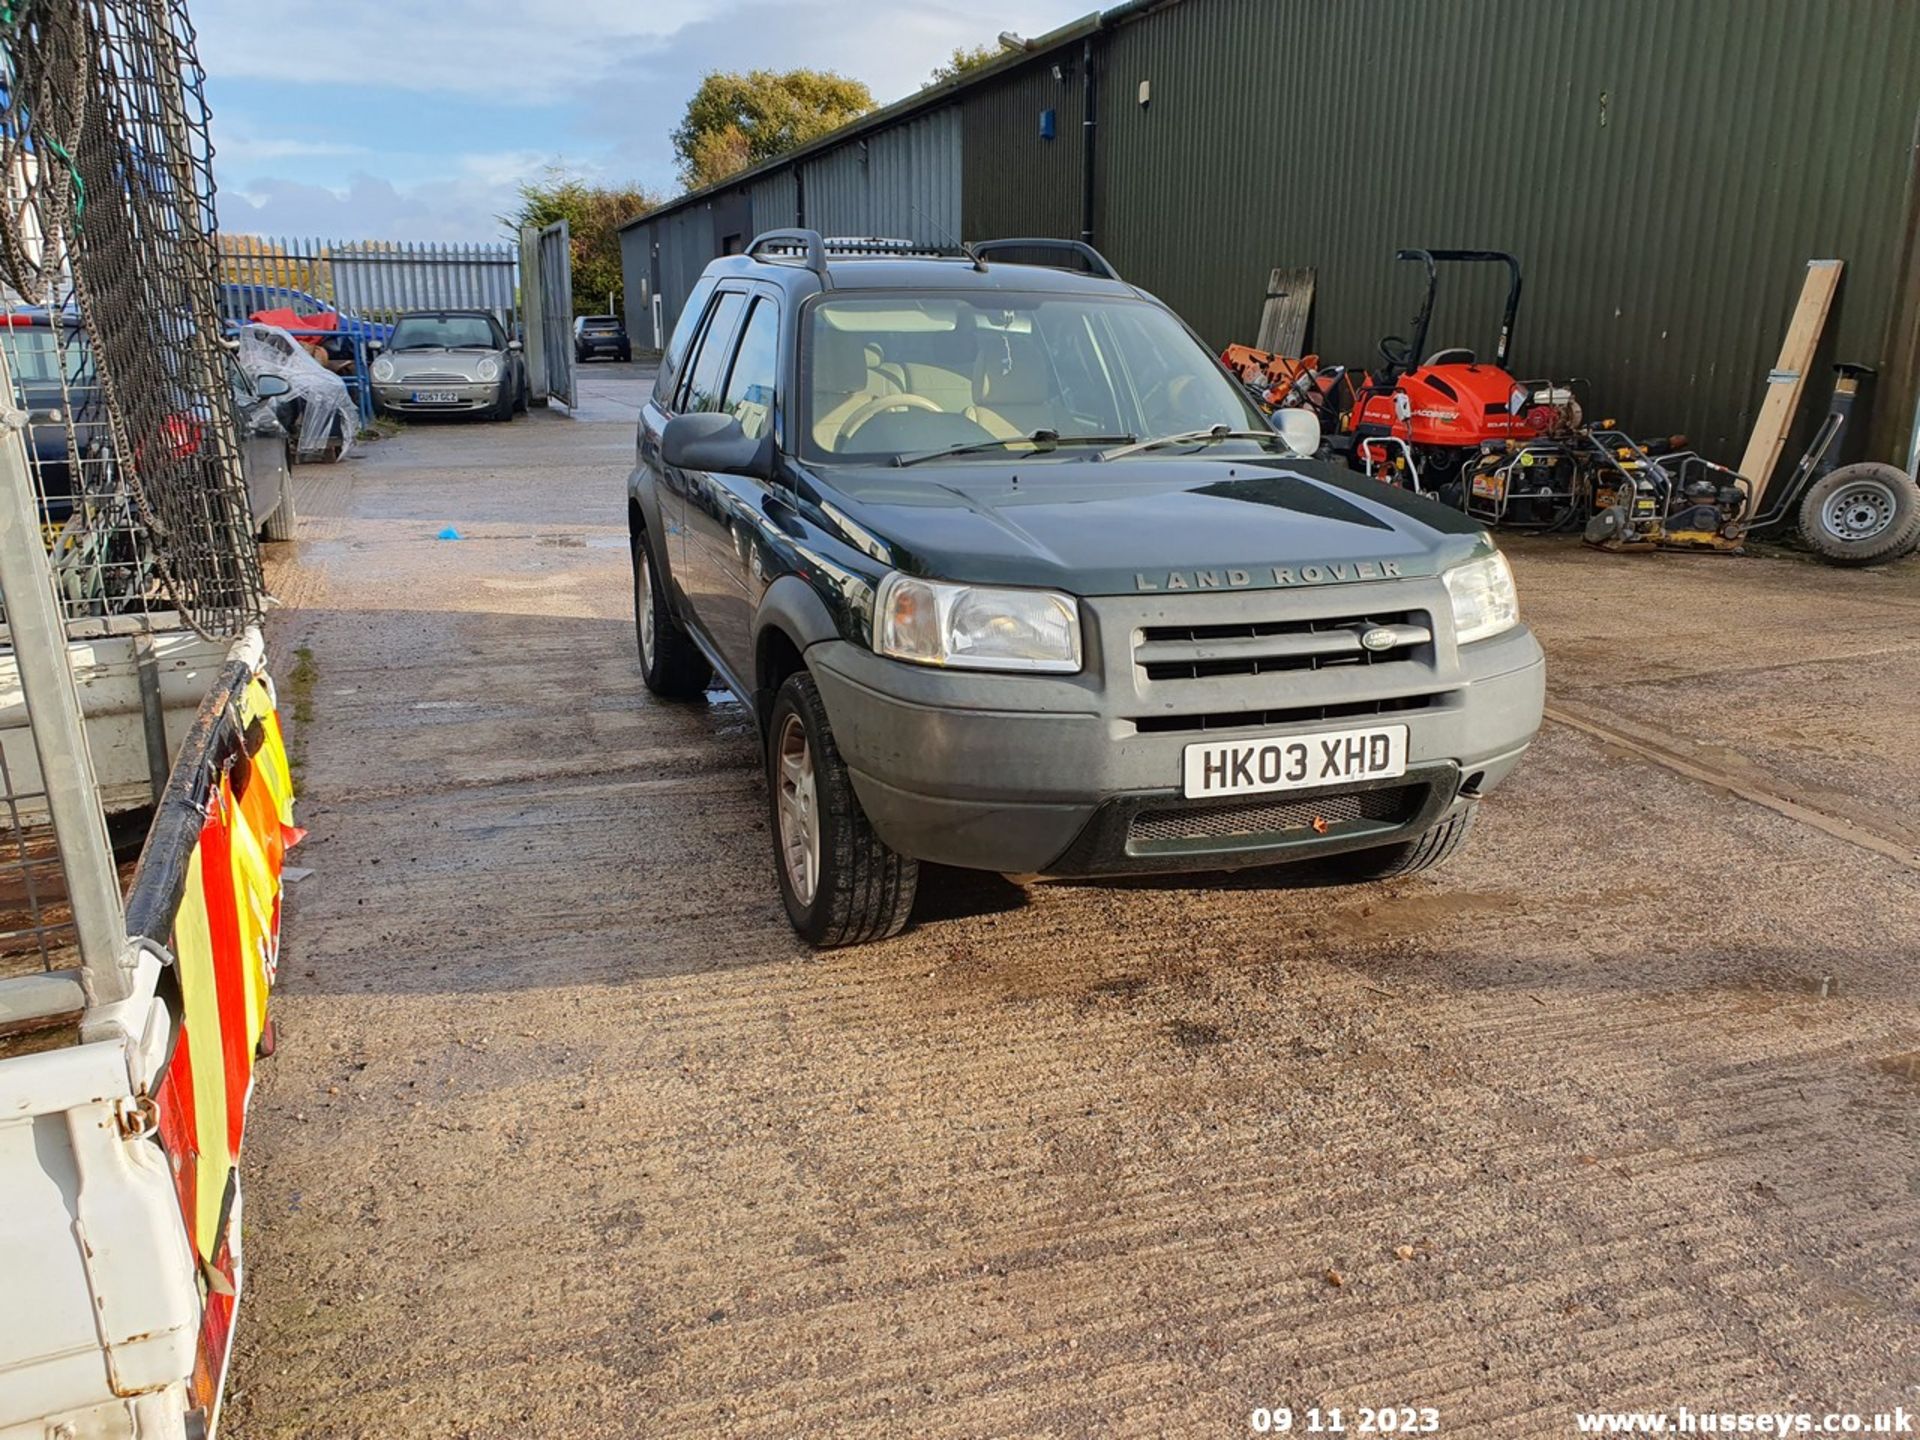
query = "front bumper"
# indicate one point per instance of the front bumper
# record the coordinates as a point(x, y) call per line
point(468, 397)
point(1079, 775)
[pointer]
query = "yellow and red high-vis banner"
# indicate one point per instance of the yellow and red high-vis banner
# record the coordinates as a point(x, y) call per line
point(232, 778)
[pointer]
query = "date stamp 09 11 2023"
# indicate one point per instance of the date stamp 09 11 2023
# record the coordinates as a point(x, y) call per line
point(1361, 1420)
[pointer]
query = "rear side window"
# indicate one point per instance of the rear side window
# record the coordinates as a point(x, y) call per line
point(749, 397)
point(682, 337)
point(709, 365)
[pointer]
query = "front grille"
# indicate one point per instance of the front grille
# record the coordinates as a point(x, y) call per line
point(434, 377)
point(1273, 817)
point(1286, 715)
point(1264, 647)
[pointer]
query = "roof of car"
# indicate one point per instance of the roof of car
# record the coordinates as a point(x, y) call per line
point(917, 272)
point(445, 311)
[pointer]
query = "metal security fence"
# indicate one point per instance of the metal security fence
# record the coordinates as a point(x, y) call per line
point(554, 249)
point(342, 296)
point(343, 284)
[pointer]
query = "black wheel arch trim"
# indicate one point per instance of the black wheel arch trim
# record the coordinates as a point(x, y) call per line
point(795, 610)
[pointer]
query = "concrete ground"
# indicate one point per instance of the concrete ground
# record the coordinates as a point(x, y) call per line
point(567, 1135)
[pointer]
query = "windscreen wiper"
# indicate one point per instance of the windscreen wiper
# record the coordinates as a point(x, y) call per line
point(1210, 436)
point(1043, 441)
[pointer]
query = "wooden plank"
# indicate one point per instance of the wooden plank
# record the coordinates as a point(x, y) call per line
point(1283, 319)
point(1789, 377)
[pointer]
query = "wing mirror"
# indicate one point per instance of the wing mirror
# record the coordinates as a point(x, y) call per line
point(515, 346)
point(268, 387)
point(374, 347)
point(713, 441)
point(1300, 429)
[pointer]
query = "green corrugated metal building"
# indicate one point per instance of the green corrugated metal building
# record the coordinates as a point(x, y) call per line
point(1664, 169)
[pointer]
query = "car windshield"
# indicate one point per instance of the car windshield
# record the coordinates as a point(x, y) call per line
point(903, 377)
point(446, 332)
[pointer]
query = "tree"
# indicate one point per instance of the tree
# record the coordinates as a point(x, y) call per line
point(594, 215)
point(734, 121)
point(963, 60)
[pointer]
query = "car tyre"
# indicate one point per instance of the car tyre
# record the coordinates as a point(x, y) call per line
point(1862, 514)
point(522, 398)
point(1408, 857)
point(503, 406)
point(670, 662)
point(841, 883)
point(285, 519)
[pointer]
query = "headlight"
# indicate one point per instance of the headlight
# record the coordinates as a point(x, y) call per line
point(488, 369)
point(1484, 599)
point(975, 627)
point(383, 369)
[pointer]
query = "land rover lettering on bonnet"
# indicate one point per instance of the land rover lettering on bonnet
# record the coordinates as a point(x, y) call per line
point(1014, 577)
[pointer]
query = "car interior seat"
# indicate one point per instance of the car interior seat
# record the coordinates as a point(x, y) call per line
point(951, 390)
point(1012, 388)
point(843, 380)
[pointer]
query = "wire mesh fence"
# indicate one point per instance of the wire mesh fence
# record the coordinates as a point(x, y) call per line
point(118, 412)
point(107, 227)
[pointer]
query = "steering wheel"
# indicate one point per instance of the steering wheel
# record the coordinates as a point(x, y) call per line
point(1396, 352)
point(878, 405)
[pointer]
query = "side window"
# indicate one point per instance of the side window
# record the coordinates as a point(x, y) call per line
point(749, 397)
point(709, 365)
point(682, 337)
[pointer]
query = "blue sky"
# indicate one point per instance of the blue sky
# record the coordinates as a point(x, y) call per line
point(363, 119)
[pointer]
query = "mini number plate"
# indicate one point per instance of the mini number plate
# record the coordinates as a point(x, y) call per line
point(1294, 762)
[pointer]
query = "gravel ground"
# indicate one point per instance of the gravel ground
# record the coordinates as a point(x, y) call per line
point(568, 1136)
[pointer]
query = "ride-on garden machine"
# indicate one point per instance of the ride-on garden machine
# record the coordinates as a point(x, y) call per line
point(1419, 421)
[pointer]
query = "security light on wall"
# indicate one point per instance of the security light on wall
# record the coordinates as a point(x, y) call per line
point(1146, 93)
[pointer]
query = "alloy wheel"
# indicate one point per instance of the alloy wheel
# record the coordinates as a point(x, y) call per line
point(643, 602)
point(796, 798)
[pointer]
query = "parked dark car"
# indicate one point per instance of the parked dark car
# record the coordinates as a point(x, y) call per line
point(450, 362)
point(1013, 576)
point(41, 345)
point(597, 335)
point(240, 302)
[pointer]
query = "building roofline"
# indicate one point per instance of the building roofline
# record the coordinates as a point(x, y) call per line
point(931, 97)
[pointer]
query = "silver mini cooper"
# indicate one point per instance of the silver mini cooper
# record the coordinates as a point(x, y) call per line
point(449, 362)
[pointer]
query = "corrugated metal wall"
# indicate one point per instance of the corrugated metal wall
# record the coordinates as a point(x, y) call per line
point(636, 273)
point(776, 202)
point(902, 182)
point(1015, 182)
point(1664, 170)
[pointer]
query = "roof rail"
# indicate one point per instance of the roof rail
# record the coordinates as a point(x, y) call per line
point(806, 243)
point(1095, 261)
point(817, 249)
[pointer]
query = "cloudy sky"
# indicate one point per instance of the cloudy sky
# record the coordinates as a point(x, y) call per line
point(364, 119)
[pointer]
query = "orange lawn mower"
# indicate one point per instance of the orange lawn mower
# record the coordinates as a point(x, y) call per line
point(1421, 422)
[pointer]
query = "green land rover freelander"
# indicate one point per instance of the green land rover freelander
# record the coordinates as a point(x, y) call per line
point(1015, 577)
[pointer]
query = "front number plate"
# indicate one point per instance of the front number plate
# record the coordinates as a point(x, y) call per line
point(1294, 762)
point(436, 397)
